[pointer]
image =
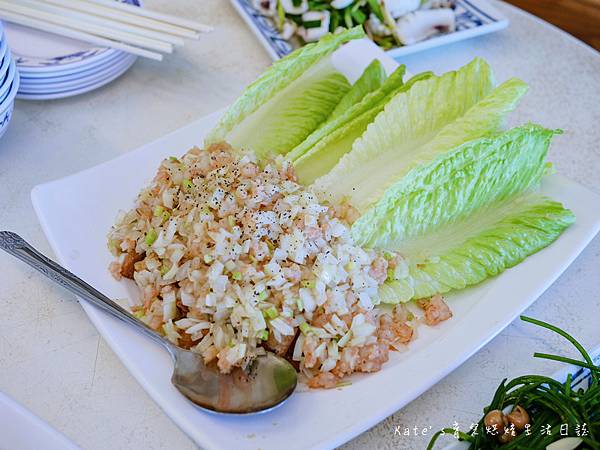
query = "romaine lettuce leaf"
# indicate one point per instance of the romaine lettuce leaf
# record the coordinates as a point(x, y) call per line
point(452, 187)
point(506, 234)
point(399, 136)
point(287, 102)
point(392, 83)
point(324, 148)
point(371, 79)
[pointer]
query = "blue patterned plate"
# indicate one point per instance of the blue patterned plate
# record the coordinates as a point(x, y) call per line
point(473, 18)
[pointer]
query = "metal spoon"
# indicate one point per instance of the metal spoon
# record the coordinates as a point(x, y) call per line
point(265, 384)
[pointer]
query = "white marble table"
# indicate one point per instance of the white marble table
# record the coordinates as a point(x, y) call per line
point(52, 359)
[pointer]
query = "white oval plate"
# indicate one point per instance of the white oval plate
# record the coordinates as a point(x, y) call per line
point(320, 419)
point(21, 429)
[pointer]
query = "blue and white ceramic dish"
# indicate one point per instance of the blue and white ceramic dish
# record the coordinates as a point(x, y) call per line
point(9, 83)
point(473, 18)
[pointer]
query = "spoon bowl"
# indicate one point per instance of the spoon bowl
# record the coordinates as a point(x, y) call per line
point(264, 384)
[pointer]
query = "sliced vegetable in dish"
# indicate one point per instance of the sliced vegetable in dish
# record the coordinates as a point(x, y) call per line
point(290, 100)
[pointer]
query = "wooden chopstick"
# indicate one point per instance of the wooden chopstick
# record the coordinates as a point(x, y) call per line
point(105, 22)
point(174, 40)
point(100, 31)
point(21, 19)
point(167, 18)
point(126, 17)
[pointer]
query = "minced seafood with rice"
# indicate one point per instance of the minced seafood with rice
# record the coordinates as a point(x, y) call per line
point(232, 259)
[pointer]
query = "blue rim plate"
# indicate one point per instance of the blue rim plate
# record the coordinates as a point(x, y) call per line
point(50, 88)
point(82, 74)
point(75, 59)
point(81, 90)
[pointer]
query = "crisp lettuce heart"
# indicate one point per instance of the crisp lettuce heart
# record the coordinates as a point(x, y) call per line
point(287, 102)
point(495, 239)
point(371, 79)
point(454, 186)
point(404, 134)
point(324, 148)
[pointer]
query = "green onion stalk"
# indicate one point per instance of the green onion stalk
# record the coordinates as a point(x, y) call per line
point(555, 409)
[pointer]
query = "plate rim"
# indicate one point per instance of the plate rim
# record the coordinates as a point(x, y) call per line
point(67, 85)
point(80, 90)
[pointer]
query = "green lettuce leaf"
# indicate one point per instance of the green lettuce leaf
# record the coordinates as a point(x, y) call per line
point(394, 81)
point(404, 134)
point(287, 102)
point(453, 186)
point(322, 150)
point(371, 79)
point(506, 235)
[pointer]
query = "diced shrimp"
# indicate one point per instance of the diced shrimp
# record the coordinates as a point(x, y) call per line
point(220, 159)
point(325, 380)
point(436, 310)
point(218, 147)
point(250, 170)
point(128, 264)
point(391, 332)
point(287, 173)
point(115, 270)
point(372, 357)
point(194, 151)
point(163, 175)
point(320, 319)
point(293, 273)
point(347, 362)
point(378, 270)
point(313, 233)
point(401, 313)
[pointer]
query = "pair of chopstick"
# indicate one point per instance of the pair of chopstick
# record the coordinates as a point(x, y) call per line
point(107, 23)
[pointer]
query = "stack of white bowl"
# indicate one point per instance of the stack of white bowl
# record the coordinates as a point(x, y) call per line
point(9, 82)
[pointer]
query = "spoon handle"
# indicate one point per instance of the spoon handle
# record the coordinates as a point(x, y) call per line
point(15, 245)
